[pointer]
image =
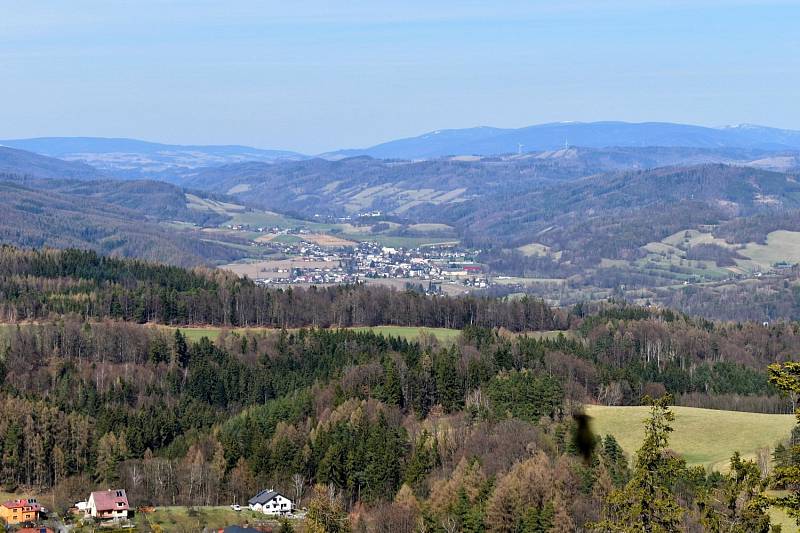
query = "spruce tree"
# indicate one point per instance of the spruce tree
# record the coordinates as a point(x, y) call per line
point(646, 503)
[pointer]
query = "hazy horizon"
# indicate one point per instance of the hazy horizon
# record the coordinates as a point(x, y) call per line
point(324, 77)
point(419, 134)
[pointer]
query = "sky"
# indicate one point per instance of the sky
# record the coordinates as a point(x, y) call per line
point(314, 76)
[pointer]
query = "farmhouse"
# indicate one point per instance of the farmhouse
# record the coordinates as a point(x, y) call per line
point(271, 502)
point(17, 511)
point(109, 504)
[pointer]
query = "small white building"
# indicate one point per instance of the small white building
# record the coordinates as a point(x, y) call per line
point(270, 502)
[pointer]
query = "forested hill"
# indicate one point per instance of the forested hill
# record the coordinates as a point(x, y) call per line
point(619, 212)
point(65, 214)
point(400, 430)
point(50, 202)
point(43, 284)
point(398, 187)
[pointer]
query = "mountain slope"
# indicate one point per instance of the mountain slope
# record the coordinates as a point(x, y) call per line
point(82, 208)
point(612, 215)
point(36, 218)
point(488, 141)
point(156, 200)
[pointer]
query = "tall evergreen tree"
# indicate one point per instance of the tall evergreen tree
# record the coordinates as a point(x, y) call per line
point(646, 503)
point(180, 349)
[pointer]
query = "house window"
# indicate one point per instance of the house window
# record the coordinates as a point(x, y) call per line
point(119, 504)
point(119, 494)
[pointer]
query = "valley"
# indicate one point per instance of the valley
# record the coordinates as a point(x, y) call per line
point(569, 225)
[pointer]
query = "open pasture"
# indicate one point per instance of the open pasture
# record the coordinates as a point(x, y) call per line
point(702, 436)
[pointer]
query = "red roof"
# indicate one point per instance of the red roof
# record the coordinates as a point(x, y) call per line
point(107, 500)
point(19, 504)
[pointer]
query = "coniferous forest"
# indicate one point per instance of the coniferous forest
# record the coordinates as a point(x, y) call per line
point(101, 387)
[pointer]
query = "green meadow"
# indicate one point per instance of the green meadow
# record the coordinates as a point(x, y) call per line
point(702, 436)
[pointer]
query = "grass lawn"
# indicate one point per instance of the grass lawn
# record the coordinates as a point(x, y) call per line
point(702, 436)
point(197, 518)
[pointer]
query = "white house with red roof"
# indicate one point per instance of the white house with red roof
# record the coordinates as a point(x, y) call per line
point(111, 504)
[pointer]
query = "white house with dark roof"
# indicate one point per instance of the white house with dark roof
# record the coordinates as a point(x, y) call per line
point(271, 502)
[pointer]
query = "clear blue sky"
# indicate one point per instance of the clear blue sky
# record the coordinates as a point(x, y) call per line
point(341, 73)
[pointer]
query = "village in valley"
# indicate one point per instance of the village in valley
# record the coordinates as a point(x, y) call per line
point(433, 269)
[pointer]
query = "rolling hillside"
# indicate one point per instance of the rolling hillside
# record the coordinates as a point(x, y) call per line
point(401, 187)
point(37, 218)
point(619, 212)
point(55, 203)
point(158, 201)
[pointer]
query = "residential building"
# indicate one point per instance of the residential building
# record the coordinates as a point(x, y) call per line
point(109, 504)
point(268, 501)
point(19, 511)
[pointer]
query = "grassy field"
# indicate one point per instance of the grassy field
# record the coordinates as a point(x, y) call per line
point(535, 249)
point(702, 436)
point(781, 246)
point(199, 518)
point(444, 335)
point(411, 333)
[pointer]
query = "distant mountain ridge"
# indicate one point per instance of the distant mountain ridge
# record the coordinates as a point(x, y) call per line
point(13, 161)
point(493, 141)
point(136, 159)
point(126, 157)
point(63, 146)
